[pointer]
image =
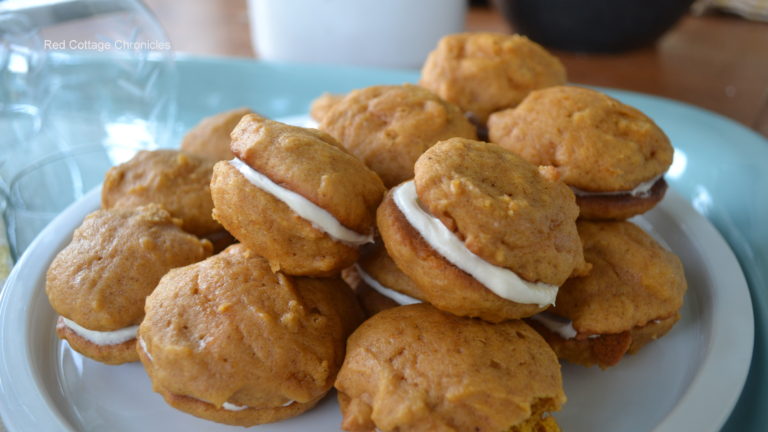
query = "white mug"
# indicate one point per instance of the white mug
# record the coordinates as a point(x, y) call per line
point(381, 33)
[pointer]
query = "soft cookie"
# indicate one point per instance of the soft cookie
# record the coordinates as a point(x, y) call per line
point(228, 340)
point(612, 155)
point(417, 368)
point(631, 297)
point(296, 197)
point(98, 283)
point(389, 127)
point(482, 232)
point(210, 139)
point(487, 72)
point(179, 182)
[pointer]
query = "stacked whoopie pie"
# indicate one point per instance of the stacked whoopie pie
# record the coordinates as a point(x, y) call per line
point(473, 269)
point(257, 333)
point(489, 231)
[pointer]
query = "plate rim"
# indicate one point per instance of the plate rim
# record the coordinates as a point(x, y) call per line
point(679, 417)
point(190, 61)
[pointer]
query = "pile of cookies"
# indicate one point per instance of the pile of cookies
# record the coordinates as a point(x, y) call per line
point(240, 270)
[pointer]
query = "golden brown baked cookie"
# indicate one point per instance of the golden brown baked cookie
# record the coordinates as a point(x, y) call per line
point(389, 127)
point(487, 72)
point(619, 206)
point(416, 368)
point(100, 280)
point(606, 350)
point(114, 352)
point(632, 295)
point(601, 147)
point(179, 182)
point(210, 139)
point(514, 219)
point(312, 168)
point(379, 283)
point(228, 340)
point(323, 104)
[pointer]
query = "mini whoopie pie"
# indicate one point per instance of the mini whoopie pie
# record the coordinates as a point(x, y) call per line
point(210, 138)
point(179, 182)
point(631, 297)
point(228, 340)
point(416, 368)
point(611, 154)
point(296, 197)
point(98, 282)
point(389, 126)
point(487, 72)
point(320, 106)
point(482, 232)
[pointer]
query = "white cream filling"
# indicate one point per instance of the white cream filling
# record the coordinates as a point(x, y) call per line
point(398, 297)
point(501, 281)
point(115, 337)
point(556, 324)
point(563, 326)
point(640, 191)
point(317, 216)
point(234, 407)
point(144, 348)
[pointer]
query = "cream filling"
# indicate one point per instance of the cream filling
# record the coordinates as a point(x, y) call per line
point(103, 338)
point(563, 326)
point(317, 216)
point(398, 297)
point(234, 407)
point(144, 348)
point(556, 324)
point(640, 191)
point(501, 281)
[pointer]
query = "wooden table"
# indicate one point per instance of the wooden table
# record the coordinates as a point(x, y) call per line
point(715, 62)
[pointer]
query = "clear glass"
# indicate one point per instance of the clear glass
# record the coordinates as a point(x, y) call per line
point(84, 84)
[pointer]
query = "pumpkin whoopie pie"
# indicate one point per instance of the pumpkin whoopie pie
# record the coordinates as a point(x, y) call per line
point(482, 232)
point(296, 197)
point(320, 106)
point(98, 282)
point(389, 126)
point(210, 139)
point(631, 297)
point(611, 154)
point(487, 72)
point(228, 340)
point(178, 181)
point(417, 368)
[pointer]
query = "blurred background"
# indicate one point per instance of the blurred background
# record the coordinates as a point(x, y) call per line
point(715, 56)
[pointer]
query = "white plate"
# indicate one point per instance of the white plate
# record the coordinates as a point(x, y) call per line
point(687, 381)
